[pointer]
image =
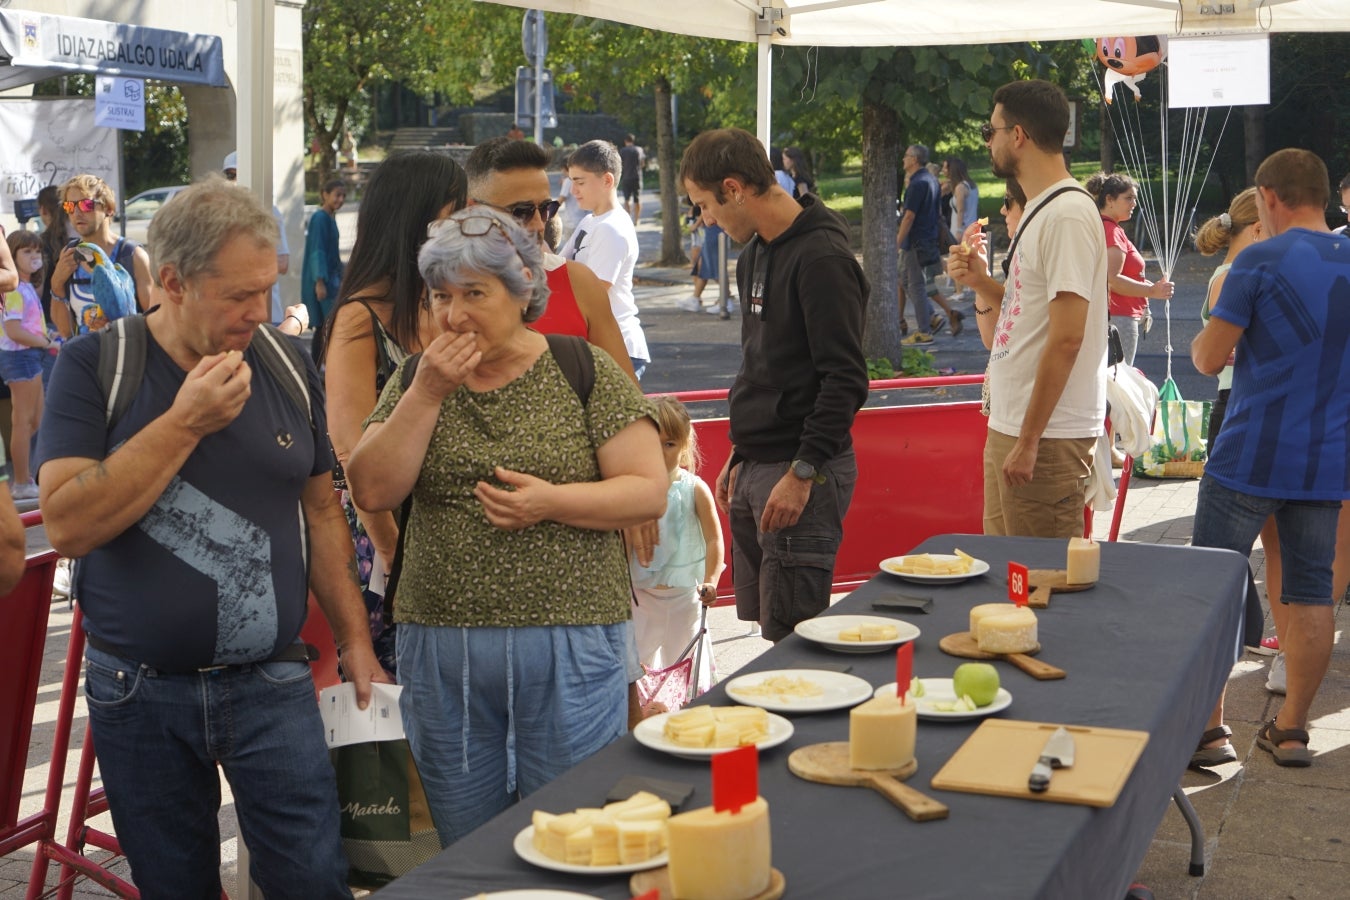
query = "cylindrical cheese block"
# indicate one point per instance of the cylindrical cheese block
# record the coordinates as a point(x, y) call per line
point(1011, 631)
point(1084, 562)
point(720, 855)
point(881, 733)
point(987, 609)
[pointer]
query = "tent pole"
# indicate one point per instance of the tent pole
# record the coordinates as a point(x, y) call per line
point(255, 114)
point(764, 89)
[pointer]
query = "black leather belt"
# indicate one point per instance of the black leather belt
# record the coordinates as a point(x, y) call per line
point(296, 652)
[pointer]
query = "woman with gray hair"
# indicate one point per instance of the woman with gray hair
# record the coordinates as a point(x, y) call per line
point(513, 601)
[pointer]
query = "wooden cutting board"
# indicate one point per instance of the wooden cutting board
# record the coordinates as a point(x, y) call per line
point(963, 645)
point(829, 764)
point(659, 880)
point(997, 758)
point(1044, 582)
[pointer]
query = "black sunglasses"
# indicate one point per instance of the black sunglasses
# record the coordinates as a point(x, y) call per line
point(987, 130)
point(524, 212)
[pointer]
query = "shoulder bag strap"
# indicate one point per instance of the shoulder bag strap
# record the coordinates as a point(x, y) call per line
point(1022, 227)
point(121, 365)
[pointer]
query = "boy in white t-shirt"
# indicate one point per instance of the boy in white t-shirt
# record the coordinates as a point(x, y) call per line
point(606, 241)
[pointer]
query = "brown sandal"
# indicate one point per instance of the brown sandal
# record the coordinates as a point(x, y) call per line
point(957, 322)
point(1271, 736)
point(1204, 757)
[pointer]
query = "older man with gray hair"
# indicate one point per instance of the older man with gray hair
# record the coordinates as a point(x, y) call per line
point(202, 509)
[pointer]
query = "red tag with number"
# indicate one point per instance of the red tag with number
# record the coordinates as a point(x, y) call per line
point(904, 669)
point(1018, 588)
point(735, 778)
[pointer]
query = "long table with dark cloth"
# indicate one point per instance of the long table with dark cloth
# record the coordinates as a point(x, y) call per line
point(1149, 648)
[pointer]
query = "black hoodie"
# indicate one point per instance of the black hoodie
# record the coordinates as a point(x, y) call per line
point(803, 374)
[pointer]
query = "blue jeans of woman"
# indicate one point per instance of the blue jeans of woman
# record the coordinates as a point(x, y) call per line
point(494, 714)
point(159, 738)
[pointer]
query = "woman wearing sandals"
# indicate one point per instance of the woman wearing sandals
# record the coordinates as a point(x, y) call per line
point(381, 316)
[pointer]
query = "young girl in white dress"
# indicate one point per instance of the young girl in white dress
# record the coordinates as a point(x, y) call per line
point(687, 560)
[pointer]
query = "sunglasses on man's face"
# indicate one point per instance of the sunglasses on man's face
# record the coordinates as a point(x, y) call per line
point(524, 212)
point(987, 130)
point(88, 204)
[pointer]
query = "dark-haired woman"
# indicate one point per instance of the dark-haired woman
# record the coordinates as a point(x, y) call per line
point(1130, 291)
point(382, 316)
point(795, 164)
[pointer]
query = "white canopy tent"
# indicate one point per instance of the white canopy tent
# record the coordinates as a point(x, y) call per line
point(885, 23)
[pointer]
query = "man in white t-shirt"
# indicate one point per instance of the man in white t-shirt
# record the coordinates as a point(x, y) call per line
point(1047, 363)
point(606, 241)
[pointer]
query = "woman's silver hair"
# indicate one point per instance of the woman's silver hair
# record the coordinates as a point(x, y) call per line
point(192, 228)
point(449, 255)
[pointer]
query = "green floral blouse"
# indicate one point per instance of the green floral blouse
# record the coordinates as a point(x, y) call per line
point(460, 570)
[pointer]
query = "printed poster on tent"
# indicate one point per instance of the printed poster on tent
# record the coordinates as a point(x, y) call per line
point(48, 142)
point(1227, 70)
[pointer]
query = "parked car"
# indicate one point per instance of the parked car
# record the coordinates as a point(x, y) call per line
point(142, 208)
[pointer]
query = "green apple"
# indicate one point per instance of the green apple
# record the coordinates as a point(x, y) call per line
point(978, 680)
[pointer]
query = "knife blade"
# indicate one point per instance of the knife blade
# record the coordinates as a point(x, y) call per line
point(1057, 754)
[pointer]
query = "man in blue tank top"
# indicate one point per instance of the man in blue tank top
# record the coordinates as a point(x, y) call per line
point(1285, 446)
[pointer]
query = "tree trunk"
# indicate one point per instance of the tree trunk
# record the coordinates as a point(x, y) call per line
point(672, 249)
point(1254, 138)
point(880, 150)
point(1108, 140)
point(327, 136)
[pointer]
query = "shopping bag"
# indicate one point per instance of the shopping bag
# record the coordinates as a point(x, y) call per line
point(386, 823)
point(1180, 433)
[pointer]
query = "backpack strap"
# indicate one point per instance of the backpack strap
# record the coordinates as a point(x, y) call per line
point(575, 358)
point(121, 364)
point(285, 364)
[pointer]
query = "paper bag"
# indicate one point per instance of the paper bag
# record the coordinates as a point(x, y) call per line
point(386, 824)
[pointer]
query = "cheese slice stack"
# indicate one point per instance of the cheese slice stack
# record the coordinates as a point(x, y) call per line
point(881, 733)
point(720, 855)
point(717, 726)
point(632, 830)
point(870, 632)
point(1004, 628)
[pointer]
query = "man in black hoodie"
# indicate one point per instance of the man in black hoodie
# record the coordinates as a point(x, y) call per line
point(790, 476)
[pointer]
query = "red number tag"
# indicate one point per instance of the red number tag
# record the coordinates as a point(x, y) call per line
point(1018, 589)
point(735, 778)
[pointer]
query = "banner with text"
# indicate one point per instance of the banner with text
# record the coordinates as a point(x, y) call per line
point(49, 141)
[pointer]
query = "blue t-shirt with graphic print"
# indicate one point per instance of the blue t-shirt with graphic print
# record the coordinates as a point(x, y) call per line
point(216, 572)
point(1285, 434)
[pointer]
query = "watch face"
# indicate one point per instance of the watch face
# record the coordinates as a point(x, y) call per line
point(803, 469)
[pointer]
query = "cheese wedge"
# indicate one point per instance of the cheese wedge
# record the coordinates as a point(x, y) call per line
point(639, 841)
point(1084, 561)
point(720, 855)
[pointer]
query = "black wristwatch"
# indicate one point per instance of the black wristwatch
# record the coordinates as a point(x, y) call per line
point(806, 472)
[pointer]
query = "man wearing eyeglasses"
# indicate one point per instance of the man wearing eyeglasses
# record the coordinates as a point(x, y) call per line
point(1047, 368)
point(512, 176)
point(90, 203)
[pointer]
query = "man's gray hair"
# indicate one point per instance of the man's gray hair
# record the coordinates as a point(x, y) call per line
point(192, 228)
point(920, 153)
point(449, 255)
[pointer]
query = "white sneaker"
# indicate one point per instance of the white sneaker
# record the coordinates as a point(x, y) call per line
point(689, 304)
point(1278, 679)
point(716, 308)
point(26, 491)
point(754, 630)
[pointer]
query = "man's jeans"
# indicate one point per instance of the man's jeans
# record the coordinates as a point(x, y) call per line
point(1231, 520)
point(916, 290)
point(158, 739)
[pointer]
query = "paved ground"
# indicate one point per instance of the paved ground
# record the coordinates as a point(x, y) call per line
point(1270, 832)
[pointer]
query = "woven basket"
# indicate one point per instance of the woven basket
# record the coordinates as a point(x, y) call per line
point(1184, 469)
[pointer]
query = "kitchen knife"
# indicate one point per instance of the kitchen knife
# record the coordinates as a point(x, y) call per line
point(1057, 754)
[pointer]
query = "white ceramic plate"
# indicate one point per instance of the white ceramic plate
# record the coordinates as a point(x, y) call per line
point(838, 691)
point(650, 732)
point(891, 566)
point(532, 894)
point(939, 690)
point(524, 847)
point(825, 630)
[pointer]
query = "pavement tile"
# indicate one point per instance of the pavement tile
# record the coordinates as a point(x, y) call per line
point(1297, 821)
point(1246, 875)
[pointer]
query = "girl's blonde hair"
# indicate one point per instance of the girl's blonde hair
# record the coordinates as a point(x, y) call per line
point(672, 419)
point(21, 239)
point(1217, 233)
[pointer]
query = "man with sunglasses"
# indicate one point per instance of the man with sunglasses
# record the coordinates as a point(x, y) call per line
point(1047, 369)
point(512, 176)
point(90, 203)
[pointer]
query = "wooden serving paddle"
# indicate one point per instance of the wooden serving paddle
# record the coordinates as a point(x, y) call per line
point(829, 764)
point(963, 644)
point(1044, 582)
point(658, 880)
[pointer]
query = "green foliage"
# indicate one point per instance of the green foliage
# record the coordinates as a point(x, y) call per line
point(916, 363)
point(880, 368)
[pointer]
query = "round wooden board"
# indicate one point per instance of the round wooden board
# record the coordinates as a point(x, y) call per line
point(659, 879)
point(829, 764)
point(963, 644)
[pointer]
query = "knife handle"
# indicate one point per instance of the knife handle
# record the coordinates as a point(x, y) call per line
point(1039, 779)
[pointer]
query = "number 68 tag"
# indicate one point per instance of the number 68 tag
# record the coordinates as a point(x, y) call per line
point(1018, 589)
